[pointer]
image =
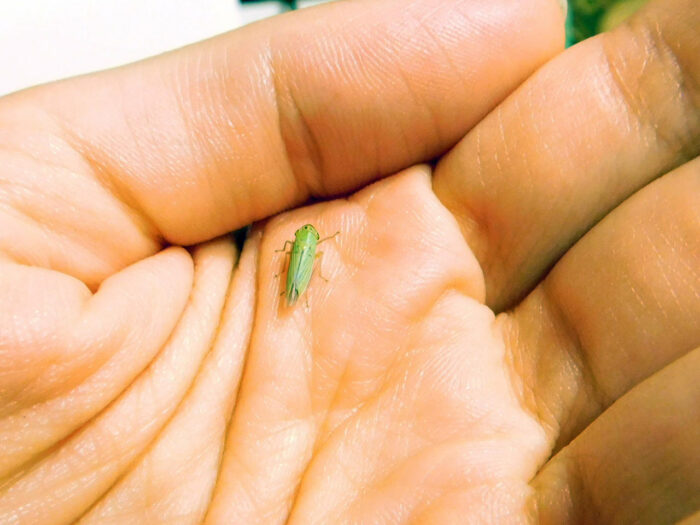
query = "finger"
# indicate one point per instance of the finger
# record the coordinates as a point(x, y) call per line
point(637, 463)
point(62, 484)
point(174, 480)
point(622, 304)
point(589, 129)
point(209, 138)
point(66, 354)
point(691, 519)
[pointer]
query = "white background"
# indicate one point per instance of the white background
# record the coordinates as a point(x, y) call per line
point(44, 40)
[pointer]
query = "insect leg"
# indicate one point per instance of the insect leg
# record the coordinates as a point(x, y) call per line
point(329, 237)
point(319, 255)
point(285, 258)
point(284, 248)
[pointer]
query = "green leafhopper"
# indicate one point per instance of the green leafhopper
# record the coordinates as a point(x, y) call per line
point(301, 261)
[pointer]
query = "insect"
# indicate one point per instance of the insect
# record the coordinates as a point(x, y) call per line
point(301, 260)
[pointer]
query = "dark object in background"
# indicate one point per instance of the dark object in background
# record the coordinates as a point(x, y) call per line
point(586, 18)
point(289, 4)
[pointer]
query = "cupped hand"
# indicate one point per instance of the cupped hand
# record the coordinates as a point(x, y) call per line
point(509, 335)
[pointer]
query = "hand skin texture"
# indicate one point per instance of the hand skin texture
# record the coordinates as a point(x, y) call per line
point(508, 335)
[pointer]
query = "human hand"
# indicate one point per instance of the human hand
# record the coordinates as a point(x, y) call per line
point(141, 383)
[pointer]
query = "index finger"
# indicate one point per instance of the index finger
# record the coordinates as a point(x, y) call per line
point(209, 138)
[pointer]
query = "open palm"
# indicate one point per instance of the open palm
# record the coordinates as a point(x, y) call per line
point(508, 335)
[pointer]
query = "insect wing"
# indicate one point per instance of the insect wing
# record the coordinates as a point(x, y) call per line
point(292, 291)
point(302, 275)
point(299, 274)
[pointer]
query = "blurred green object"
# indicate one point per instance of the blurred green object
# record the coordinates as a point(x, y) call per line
point(586, 18)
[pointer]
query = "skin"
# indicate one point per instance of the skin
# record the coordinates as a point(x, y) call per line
point(510, 334)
